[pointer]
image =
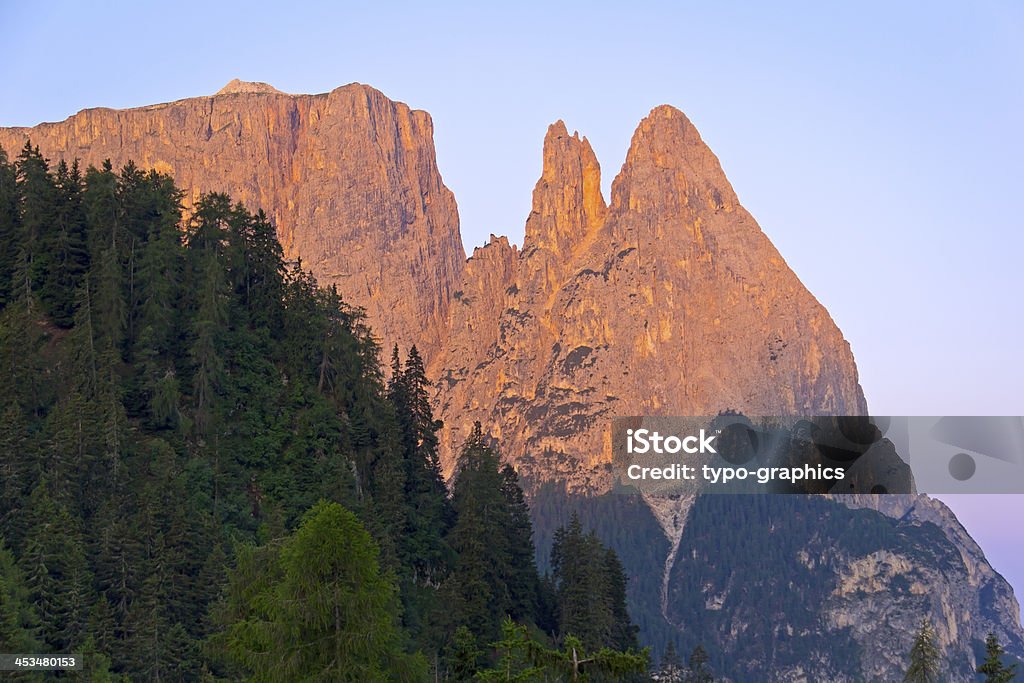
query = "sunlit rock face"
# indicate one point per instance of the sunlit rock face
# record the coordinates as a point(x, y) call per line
point(349, 178)
point(669, 300)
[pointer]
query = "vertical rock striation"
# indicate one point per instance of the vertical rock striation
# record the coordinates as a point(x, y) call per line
point(670, 300)
point(349, 178)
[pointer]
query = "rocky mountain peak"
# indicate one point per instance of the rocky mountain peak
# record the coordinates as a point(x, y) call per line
point(567, 201)
point(237, 86)
point(669, 167)
point(669, 301)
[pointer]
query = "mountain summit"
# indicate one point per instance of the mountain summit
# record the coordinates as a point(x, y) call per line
point(670, 300)
point(236, 87)
point(349, 178)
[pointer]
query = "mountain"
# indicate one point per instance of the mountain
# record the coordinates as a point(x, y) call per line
point(799, 588)
point(349, 177)
point(667, 299)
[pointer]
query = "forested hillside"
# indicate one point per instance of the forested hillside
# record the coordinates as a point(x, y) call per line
point(205, 474)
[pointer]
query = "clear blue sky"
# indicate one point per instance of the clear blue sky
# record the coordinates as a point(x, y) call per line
point(880, 145)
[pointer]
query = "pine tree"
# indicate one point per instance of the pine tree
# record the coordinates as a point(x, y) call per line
point(207, 241)
point(993, 667)
point(670, 668)
point(698, 671)
point(521, 578)
point(591, 589)
point(479, 599)
point(18, 620)
point(464, 656)
point(19, 469)
point(207, 350)
point(924, 656)
point(423, 548)
point(37, 195)
point(488, 575)
point(155, 304)
point(517, 652)
point(623, 634)
point(67, 247)
point(9, 228)
point(255, 262)
point(56, 571)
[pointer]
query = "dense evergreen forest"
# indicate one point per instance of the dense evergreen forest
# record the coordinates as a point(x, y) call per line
point(206, 474)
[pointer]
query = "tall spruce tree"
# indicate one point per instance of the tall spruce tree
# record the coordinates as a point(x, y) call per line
point(9, 227)
point(591, 590)
point(494, 576)
point(698, 671)
point(37, 198)
point(994, 666)
point(670, 668)
point(66, 247)
point(479, 596)
point(56, 571)
point(423, 547)
point(924, 656)
point(18, 620)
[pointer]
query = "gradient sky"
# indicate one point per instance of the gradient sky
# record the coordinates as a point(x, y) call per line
point(880, 145)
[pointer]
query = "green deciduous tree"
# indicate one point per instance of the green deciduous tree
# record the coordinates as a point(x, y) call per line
point(316, 606)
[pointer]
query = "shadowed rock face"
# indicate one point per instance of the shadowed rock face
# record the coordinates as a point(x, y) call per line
point(668, 301)
point(349, 178)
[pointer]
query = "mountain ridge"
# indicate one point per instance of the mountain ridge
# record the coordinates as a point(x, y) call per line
point(345, 171)
point(563, 353)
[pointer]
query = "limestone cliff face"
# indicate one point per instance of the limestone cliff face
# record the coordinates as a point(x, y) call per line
point(349, 178)
point(670, 301)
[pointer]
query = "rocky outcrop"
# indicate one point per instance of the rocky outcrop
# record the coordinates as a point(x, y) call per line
point(668, 301)
point(349, 178)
